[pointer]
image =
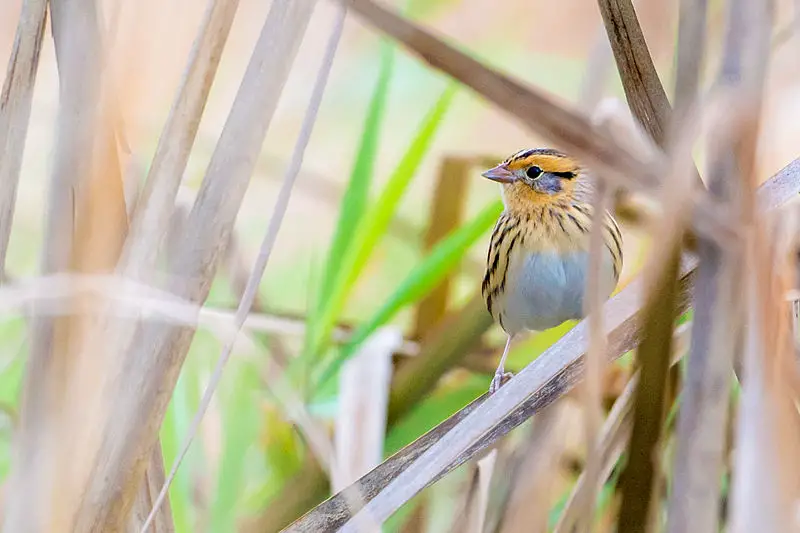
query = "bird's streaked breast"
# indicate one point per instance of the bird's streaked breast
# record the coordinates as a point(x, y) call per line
point(537, 261)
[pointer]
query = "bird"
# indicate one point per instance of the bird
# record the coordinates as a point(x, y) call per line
point(538, 256)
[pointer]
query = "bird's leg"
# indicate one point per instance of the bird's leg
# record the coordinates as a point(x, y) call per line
point(500, 375)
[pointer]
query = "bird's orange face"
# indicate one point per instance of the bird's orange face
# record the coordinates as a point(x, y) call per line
point(537, 176)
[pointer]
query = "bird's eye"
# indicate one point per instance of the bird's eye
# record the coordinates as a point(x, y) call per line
point(533, 172)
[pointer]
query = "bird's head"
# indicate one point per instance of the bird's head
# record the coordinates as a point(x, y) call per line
point(539, 176)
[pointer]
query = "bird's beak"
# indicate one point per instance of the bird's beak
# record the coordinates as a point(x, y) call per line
point(501, 174)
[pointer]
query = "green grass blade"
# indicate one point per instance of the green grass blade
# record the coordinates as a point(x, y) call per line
point(444, 257)
point(354, 201)
point(376, 221)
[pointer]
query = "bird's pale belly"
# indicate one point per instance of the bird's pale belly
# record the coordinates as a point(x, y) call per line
point(545, 289)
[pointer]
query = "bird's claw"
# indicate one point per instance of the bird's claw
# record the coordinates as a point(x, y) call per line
point(500, 378)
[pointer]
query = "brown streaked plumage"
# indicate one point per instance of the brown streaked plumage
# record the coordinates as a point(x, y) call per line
point(538, 252)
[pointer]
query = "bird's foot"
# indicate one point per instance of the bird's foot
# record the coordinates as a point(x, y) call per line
point(500, 378)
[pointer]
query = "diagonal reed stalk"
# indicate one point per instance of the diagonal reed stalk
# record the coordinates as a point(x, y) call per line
point(177, 138)
point(563, 127)
point(15, 110)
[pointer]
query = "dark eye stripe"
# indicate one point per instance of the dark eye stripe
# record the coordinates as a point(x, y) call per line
point(567, 175)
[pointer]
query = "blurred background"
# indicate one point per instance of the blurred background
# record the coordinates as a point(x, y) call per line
point(249, 450)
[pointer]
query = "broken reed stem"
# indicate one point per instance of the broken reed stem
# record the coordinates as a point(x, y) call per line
point(268, 243)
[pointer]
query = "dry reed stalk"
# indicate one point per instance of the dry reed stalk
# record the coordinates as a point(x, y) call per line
point(765, 485)
point(702, 421)
point(65, 371)
point(15, 110)
point(461, 518)
point(361, 421)
point(642, 471)
point(643, 90)
point(766, 489)
point(591, 93)
point(615, 118)
point(649, 103)
point(613, 439)
point(478, 504)
point(595, 355)
point(177, 138)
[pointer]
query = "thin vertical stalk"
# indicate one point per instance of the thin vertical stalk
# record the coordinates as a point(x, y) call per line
point(702, 420)
point(595, 355)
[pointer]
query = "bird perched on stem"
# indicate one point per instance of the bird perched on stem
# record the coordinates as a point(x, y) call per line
point(539, 251)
